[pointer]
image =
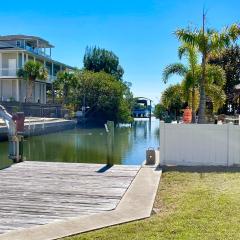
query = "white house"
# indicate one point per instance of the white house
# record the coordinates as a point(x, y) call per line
point(15, 51)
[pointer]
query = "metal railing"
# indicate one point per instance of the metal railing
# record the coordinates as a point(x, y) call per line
point(37, 51)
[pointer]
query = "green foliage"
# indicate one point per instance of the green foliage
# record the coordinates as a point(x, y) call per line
point(32, 71)
point(98, 59)
point(98, 89)
point(66, 84)
point(173, 99)
point(207, 42)
point(160, 111)
point(176, 68)
point(229, 60)
point(192, 75)
point(105, 96)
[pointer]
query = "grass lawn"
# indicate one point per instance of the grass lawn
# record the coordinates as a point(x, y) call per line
point(189, 205)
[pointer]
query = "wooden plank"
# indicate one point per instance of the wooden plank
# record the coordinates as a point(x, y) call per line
point(35, 193)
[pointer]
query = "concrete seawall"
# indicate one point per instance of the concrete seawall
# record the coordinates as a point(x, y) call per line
point(41, 127)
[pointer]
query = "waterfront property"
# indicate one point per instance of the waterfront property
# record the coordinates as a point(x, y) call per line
point(142, 107)
point(15, 51)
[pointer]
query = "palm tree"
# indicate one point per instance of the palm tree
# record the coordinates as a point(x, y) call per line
point(32, 71)
point(207, 42)
point(65, 81)
point(172, 99)
point(215, 81)
point(188, 72)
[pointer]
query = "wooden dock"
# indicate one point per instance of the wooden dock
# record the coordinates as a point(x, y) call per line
point(36, 193)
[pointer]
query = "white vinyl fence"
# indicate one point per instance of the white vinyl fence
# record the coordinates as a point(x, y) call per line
point(199, 144)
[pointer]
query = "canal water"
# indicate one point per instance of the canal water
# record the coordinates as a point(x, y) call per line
point(90, 145)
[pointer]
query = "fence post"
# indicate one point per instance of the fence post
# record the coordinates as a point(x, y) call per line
point(162, 142)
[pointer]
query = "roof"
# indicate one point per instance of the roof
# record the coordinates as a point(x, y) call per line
point(42, 41)
point(6, 45)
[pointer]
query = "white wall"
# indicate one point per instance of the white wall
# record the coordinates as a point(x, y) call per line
point(204, 144)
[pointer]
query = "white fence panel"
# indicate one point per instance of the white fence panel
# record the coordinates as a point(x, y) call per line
point(205, 145)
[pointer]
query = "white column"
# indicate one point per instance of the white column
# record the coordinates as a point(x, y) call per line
point(52, 71)
point(17, 60)
point(34, 59)
point(17, 90)
point(26, 57)
point(0, 89)
point(44, 93)
point(0, 64)
point(23, 59)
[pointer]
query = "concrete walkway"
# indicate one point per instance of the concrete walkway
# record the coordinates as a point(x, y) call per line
point(136, 204)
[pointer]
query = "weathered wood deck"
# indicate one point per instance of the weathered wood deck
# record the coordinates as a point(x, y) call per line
point(35, 193)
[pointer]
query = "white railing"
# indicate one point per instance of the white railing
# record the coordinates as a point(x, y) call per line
point(8, 72)
point(12, 72)
point(51, 78)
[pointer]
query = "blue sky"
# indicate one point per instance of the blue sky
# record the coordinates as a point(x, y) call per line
point(139, 32)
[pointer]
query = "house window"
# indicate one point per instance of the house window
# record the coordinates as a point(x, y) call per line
point(18, 43)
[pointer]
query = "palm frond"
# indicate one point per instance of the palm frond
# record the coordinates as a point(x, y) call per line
point(217, 96)
point(215, 75)
point(176, 68)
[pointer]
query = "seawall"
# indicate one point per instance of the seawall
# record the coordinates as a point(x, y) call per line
point(33, 128)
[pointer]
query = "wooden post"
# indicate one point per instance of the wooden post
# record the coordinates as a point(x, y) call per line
point(110, 142)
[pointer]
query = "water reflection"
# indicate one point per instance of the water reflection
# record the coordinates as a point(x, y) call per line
point(90, 145)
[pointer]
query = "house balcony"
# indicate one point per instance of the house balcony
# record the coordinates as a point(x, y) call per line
point(12, 73)
point(51, 78)
point(37, 51)
point(8, 72)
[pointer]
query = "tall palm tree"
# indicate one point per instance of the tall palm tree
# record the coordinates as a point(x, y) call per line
point(215, 80)
point(207, 42)
point(32, 71)
point(188, 72)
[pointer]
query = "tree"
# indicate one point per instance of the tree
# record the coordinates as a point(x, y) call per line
point(32, 71)
point(207, 42)
point(66, 81)
point(105, 97)
point(160, 111)
point(215, 80)
point(188, 72)
point(98, 59)
point(173, 99)
point(229, 60)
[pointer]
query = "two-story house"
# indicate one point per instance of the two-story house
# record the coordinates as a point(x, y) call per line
point(15, 51)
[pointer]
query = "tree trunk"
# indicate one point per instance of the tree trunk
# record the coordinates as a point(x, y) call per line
point(202, 105)
point(53, 94)
point(193, 106)
point(29, 90)
point(65, 92)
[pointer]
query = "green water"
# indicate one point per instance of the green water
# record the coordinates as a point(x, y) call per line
point(90, 145)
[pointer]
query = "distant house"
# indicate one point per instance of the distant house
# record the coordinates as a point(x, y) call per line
point(15, 51)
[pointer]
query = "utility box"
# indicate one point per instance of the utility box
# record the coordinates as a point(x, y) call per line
point(150, 156)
